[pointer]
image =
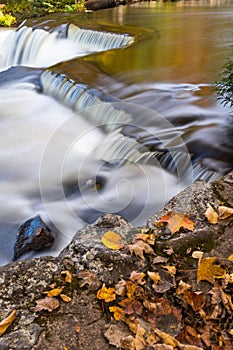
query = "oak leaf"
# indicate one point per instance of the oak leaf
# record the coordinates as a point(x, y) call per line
point(139, 248)
point(107, 294)
point(137, 277)
point(4, 324)
point(209, 269)
point(48, 303)
point(118, 313)
point(112, 240)
point(176, 221)
point(211, 214)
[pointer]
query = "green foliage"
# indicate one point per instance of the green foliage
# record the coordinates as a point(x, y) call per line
point(6, 20)
point(224, 87)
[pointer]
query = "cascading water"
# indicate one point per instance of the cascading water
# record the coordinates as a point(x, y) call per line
point(71, 152)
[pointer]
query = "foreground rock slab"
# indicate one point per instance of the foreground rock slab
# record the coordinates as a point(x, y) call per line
point(80, 321)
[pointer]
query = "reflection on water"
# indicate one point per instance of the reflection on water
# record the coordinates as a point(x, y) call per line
point(164, 82)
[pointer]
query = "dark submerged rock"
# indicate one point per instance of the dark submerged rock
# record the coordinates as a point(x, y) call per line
point(33, 235)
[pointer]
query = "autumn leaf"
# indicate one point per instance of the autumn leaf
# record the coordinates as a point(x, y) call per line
point(77, 328)
point(224, 212)
point(4, 324)
point(65, 298)
point(118, 313)
point(139, 248)
point(48, 303)
point(171, 269)
point(211, 214)
point(112, 240)
point(176, 221)
point(90, 278)
point(68, 276)
point(148, 238)
point(154, 276)
point(195, 299)
point(209, 269)
point(107, 294)
point(120, 288)
point(139, 338)
point(137, 277)
point(130, 288)
point(131, 306)
point(54, 292)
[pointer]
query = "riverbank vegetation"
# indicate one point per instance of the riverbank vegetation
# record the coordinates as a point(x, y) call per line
point(224, 87)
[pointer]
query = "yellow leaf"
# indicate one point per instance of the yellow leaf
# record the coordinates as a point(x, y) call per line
point(118, 313)
point(107, 294)
point(65, 298)
point(68, 277)
point(224, 212)
point(230, 257)
point(112, 240)
point(4, 324)
point(54, 292)
point(176, 221)
point(209, 269)
point(211, 215)
point(171, 269)
point(154, 276)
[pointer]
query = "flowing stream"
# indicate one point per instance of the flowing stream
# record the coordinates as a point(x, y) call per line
point(110, 111)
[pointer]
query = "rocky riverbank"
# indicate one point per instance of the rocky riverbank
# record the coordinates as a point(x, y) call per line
point(73, 317)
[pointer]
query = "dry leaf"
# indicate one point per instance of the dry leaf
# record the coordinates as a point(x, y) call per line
point(116, 333)
point(112, 240)
point(68, 277)
point(128, 343)
point(107, 294)
point(209, 269)
point(227, 302)
point(211, 214)
point(230, 257)
point(131, 306)
point(77, 328)
point(195, 299)
point(47, 303)
point(118, 313)
point(137, 277)
point(139, 338)
point(53, 285)
point(65, 298)
point(130, 288)
point(139, 248)
point(4, 324)
point(197, 254)
point(176, 221)
point(171, 269)
point(148, 238)
point(224, 212)
point(120, 288)
point(90, 278)
point(54, 292)
point(182, 288)
point(154, 276)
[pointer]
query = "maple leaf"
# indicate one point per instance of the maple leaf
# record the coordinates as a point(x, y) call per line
point(107, 294)
point(48, 303)
point(118, 313)
point(4, 324)
point(139, 248)
point(176, 221)
point(68, 276)
point(209, 269)
point(112, 240)
point(211, 214)
point(90, 278)
point(138, 277)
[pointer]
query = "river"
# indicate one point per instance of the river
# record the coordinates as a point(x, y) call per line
point(72, 161)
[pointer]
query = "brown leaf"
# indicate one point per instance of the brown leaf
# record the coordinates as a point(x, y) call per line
point(65, 298)
point(107, 294)
point(176, 221)
point(148, 238)
point(131, 306)
point(4, 324)
point(54, 292)
point(209, 269)
point(90, 278)
point(224, 212)
point(195, 299)
point(112, 240)
point(120, 288)
point(139, 338)
point(137, 277)
point(48, 303)
point(118, 313)
point(116, 333)
point(68, 276)
point(139, 248)
point(211, 214)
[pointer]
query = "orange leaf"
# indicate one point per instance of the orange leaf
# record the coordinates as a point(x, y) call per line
point(176, 221)
point(130, 287)
point(118, 313)
point(107, 294)
point(209, 269)
point(139, 248)
point(195, 299)
point(112, 240)
point(77, 328)
point(68, 277)
point(211, 215)
point(47, 303)
point(54, 292)
point(4, 324)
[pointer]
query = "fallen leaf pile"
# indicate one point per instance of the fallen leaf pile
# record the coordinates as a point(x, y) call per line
point(157, 310)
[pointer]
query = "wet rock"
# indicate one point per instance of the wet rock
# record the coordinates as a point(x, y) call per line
point(33, 235)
